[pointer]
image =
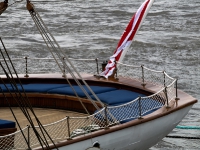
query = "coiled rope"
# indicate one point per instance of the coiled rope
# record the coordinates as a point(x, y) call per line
point(187, 128)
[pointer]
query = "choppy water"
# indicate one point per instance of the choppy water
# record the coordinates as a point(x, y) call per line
point(168, 40)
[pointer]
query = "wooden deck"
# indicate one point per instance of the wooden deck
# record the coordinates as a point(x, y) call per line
point(65, 102)
point(46, 116)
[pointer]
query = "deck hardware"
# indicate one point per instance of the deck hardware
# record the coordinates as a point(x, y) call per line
point(97, 63)
point(106, 117)
point(26, 68)
point(68, 127)
point(143, 84)
point(177, 90)
point(164, 78)
point(140, 108)
point(116, 70)
point(28, 132)
point(64, 74)
point(166, 96)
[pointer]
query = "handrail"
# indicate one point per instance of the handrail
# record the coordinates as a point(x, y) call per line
point(86, 67)
point(66, 128)
point(151, 76)
point(19, 131)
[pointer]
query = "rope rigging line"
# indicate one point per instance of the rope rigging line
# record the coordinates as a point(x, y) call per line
point(53, 46)
point(182, 137)
point(22, 101)
point(50, 40)
point(187, 128)
point(4, 5)
point(28, 104)
point(43, 33)
point(13, 113)
point(18, 100)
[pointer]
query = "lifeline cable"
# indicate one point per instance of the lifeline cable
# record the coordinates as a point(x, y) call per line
point(47, 38)
point(182, 137)
point(20, 102)
point(59, 52)
point(13, 114)
point(43, 33)
point(36, 17)
point(57, 49)
point(188, 127)
point(23, 103)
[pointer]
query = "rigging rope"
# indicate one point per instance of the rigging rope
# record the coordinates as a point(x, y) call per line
point(182, 137)
point(19, 99)
point(187, 128)
point(4, 5)
point(55, 48)
point(43, 33)
point(13, 113)
point(22, 101)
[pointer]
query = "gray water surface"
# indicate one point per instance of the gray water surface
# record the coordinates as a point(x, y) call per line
point(167, 40)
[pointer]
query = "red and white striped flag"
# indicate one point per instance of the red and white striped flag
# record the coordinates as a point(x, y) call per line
point(127, 37)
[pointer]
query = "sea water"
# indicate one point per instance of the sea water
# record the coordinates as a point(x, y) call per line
point(167, 40)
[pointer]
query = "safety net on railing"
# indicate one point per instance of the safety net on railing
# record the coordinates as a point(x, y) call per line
point(144, 75)
point(47, 65)
point(71, 127)
point(15, 140)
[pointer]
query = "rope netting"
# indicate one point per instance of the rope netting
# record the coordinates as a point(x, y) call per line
point(14, 140)
point(71, 127)
point(144, 74)
point(86, 65)
point(92, 66)
point(47, 65)
point(129, 71)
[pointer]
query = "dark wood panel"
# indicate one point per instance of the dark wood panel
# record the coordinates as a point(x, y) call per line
point(50, 101)
point(7, 144)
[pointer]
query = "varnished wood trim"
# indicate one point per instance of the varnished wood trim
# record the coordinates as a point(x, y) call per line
point(7, 131)
point(133, 85)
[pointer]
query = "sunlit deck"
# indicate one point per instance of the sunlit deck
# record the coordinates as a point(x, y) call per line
point(46, 116)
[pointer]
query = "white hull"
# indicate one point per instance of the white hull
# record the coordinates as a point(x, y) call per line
point(139, 137)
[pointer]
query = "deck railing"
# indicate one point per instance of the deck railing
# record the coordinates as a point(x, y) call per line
point(144, 74)
point(70, 127)
point(27, 65)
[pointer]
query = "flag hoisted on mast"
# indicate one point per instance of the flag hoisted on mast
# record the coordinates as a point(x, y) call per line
point(127, 38)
